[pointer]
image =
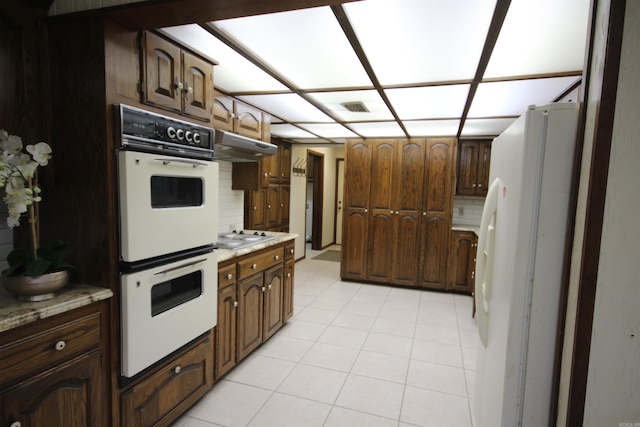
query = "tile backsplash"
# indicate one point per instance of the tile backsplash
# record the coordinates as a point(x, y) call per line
point(467, 210)
point(231, 202)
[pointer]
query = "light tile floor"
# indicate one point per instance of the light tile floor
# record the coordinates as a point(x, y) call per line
point(353, 355)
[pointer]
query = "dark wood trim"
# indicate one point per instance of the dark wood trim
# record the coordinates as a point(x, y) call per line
point(599, 169)
point(335, 214)
point(318, 198)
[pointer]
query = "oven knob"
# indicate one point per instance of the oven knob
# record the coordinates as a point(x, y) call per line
point(171, 132)
point(188, 135)
point(196, 137)
point(180, 134)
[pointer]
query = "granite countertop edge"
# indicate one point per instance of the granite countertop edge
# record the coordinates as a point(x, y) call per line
point(14, 313)
point(227, 254)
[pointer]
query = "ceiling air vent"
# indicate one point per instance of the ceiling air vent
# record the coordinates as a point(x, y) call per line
point(355, 107)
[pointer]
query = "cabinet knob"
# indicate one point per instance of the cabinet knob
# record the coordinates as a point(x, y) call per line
point(479, 185)
point(255, 208)
point(268, 206)
point(254, 266)
point(266, 175)
point(474, 186)
point(229, 276)
point(424, 213)
point(269, 287)
point(235, 304)
point(391, 211)
point(397, 212)
point(60, 345)
point(289, 275)
point(264, 289)
point(291, 251)
point(282, 205)
point(366, 210)
point(177, 369)
point(178, 84)
point(276, 257)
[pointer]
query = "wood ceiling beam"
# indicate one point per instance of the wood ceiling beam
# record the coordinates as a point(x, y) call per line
point(152, 14)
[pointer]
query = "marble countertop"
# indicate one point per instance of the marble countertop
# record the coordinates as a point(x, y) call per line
point(226, 254)
point(14, 313)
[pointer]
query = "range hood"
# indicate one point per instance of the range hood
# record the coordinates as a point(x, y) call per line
point(232, 147)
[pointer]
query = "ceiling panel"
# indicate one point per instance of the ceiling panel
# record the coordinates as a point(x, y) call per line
point(378, 129)
point(329, 130)
point(370, 98)
point(540, 37)
point(285, 130)
point(485, 127)
point(233, 72)
point(412, 41)
point(288, 106)
point(429, 102)
point(432, 127)
point(307, 46)
point(511, 98)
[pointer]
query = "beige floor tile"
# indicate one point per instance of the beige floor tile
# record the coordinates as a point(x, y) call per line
point(372, 396)
point(432, 376)
point(354, 320)
point(394, 327)
point(331, 356)
point(381, 366)
point(314, 383)
point(282, 410)
point(341, 417)
point(261, 371)
point(317, 315)
point(434, 352)
point(388, 344)
point(303, 330)
point(344, 337)
point(428, 408)
point(285, 348)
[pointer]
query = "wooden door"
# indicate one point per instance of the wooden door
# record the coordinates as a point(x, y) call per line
point(248, 121)
point(274, 284)
point(482, 171)
point(285, 197)
point(381, 220)
point(356, 210)
point(407, 199)
point(226, 331)
point(222, 112)
point(285, 162)
point(250, 314)
point(198, 86)
point(255, 203)
point(467, 168)
point(162, 71)
point(67, 395)
point(287, 290)
point(462, 248)
point(437, 206)
point(273, 207)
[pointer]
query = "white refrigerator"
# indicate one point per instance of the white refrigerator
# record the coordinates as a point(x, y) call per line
point(519, 265)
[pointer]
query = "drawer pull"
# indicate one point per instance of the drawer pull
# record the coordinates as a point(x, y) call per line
point(229, 276)
point(60, 345)
point(254, 266)
point(276, 257)
point(291, 251)
point(235, 303)
point(289, 275)
point(264, 289)
point(269, 287)
point(177, 369)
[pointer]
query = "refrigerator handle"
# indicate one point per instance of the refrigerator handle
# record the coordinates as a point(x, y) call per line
point(484, 259)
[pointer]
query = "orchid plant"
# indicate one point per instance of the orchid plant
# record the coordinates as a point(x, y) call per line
point(18, 177)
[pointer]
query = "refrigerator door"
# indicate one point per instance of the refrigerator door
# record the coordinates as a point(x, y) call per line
point(518, 275)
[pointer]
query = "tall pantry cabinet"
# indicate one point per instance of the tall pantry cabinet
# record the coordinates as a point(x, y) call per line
point(398, 204)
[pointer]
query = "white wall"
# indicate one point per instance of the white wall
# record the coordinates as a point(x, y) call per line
point(231, 202)
point(467, 210)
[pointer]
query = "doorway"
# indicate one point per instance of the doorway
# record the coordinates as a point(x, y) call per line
point(315, 191)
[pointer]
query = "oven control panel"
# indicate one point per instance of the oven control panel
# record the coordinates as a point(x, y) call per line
point(146, 131)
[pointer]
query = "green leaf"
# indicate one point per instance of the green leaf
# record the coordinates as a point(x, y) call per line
point(37, 267)
point(18, 257)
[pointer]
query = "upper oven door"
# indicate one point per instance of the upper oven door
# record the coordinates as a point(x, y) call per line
point(167, 204)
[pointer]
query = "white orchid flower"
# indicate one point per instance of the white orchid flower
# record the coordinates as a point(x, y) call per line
point(4, 135)
point(12, 145)
point(41, 152)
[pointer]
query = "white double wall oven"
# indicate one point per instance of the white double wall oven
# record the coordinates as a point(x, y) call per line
point(168, 205)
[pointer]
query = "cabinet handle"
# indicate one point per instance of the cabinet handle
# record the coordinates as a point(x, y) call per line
point(269, 287)
point(291, 251)
point(479, 185)
point(268, 206)
point(266, 175)
point(235, 304)
point(178, 84)
point(177, 369)
point(188, 90)
point(473, 274)
point(391, 211)
point(424, 213)
point(366, 210)
point(397, 212)
point(60, 345)
point(276, 257)
point(264, 289)
point(289, 275)
point(254, 266)
point(255, 208)
point(474, 186)
point(229, 276)
point(282, 205)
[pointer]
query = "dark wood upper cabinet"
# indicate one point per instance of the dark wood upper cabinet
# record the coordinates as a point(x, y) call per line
point(473, 168)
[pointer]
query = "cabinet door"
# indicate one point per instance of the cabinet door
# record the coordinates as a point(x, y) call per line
point(197, 86)
point(250, 314)
point(437, 211)
point(226, 331)
point(407, 200)
point(162, 68)
point(381, 221)
point(482, 171)
point(222, 112)
point(285, 197)
point(248, 121)
point(68, 395)
point(355, 217)
point(162, 397)
point(274, 284)
point(462, 250)
point(255, 204)
point(287, 291)
point(273, 206)
point(285, 162)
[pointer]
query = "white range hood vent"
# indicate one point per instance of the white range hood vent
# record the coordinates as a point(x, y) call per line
point(232, 147)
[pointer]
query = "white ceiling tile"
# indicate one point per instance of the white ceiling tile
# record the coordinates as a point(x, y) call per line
point(288, 106)
point(410, 41)
point(432, 127)
point(429, 102)
point(233, 72)
point(485, 127)
point(289, 131)
point(370, 98)
point(539, 37)
point(512, 98)
point(329, 130)
point(307, 46)
point(378, 129)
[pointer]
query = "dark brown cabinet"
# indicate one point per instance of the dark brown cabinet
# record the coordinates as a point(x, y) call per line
point(473, 168)
point(398, 207)
point(462, 261)
point(176, 79)
point(250, 314)
point(289, 277)
point(226, 329)
point(273, 287)
point(53, 371)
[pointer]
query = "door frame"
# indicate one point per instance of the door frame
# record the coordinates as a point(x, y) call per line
point(316, 161)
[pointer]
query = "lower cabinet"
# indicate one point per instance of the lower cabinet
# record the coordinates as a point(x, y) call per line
point(255, 297)
point(462, 261)
point(52, 371)
point(163, 396)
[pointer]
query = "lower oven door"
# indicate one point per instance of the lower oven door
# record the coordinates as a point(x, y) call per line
point(167, 204)
point(164, 308)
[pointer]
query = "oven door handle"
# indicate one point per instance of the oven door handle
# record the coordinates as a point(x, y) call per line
point(194, 163)
point(178, 267)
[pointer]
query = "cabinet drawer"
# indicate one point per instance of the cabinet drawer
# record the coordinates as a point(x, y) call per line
point(289, 251)
point(260, 262)
point(164, 396)
point(49, 347)
point(226, 276)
